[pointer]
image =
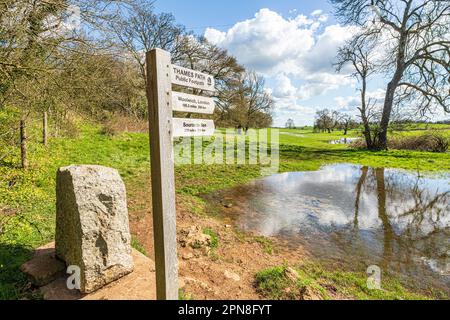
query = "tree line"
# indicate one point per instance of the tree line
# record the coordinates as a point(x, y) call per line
point(60, 58)
point(328, 121)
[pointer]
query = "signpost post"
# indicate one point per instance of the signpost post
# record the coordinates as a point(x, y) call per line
point(161, 74)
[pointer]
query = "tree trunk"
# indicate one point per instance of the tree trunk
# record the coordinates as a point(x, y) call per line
point(45, 128)
point(364, 115)
point(388, 231)
point(382, 141)
point(359, 187)
point(23, 144)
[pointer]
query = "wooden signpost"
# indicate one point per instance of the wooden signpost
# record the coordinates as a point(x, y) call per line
point(192, 79)
point(161, 74)
point(193, 127)
point(189, 103)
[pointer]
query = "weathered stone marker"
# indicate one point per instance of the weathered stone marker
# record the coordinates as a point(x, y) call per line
point(92, 228)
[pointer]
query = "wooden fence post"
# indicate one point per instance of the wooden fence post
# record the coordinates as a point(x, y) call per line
point(45, 129)
point(159, 95)
point(23, 144)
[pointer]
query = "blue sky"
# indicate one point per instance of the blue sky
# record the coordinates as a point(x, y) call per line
point(199, 14)
point(291, 42)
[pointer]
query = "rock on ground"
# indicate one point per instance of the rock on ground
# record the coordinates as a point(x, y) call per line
point(92, 228)
point(232, 276)
point(194, 238)
point(44, 267)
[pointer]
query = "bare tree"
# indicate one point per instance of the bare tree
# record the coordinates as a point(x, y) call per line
point(37, 42)
point(358, 53)
point(253, 105)
point(199, 54)
point(326, 120)
point(346, 123)
point(290, 124)
point(138, 29)
point(414, 38)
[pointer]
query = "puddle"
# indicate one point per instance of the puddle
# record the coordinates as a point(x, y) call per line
point(293, 134)
point(345, 141)
point(355, 216)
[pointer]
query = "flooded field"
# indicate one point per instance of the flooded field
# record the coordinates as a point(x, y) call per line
point(355, 216)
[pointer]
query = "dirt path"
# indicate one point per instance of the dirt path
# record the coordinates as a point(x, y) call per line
point(227, 272)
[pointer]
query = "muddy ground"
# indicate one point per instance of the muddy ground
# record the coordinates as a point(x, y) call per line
point(225, 272)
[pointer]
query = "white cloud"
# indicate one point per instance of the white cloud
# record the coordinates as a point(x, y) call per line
point(351, 103)
point(319, 15)
point(323, 53)
point(287, 51)
point(265, 41)
point(284, 87)
point(215, 36)
point(273, 45)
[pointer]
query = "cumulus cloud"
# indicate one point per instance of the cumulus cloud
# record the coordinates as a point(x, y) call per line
point(298, 50)
point(284, 88)
point(350, 103)
point(267, 40)
point(274, 45)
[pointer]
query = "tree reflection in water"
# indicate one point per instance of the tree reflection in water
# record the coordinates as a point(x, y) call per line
point(424, 218)
point(356, 215)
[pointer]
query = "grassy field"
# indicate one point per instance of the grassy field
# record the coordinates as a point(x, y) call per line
point(27, 198)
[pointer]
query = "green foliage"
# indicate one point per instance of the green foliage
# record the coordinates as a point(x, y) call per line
point(13, 284)
point(138, 246)
point(214, 237)
point(266, 244)
point(274, 283)
point(184, 296)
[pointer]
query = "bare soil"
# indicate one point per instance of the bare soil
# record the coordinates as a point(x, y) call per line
point(225, 273)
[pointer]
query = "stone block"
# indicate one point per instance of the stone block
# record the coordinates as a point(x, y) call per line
point(92, 227)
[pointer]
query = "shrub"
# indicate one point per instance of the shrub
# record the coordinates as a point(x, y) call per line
point(359, 144)
point(120, 123)
point(430, 142)
point(70, 129)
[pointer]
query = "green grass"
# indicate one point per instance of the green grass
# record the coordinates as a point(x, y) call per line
point(184, 296)
point(27, 198)
point(273, 283)
point(214, 237)
point(311, 151)
point(266, 244)
point(135, 244)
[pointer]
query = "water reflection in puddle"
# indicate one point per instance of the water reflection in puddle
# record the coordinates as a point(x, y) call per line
point(356, 215)
point(345, 141)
